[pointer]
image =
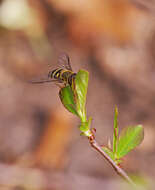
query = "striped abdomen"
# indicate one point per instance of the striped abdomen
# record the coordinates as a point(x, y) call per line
point(62, 75)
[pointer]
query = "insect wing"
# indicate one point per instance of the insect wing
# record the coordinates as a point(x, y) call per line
point(42, 81)
point(64, 61)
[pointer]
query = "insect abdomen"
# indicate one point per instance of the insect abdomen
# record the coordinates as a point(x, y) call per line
point(56, 73)
point(66, 76)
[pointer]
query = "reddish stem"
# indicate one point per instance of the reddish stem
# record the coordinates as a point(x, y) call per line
point(119, 170)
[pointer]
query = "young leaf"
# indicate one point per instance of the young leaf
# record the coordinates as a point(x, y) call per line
point(115, 134)
point(80, 92)
point(111, 155)
point(109, 143)
point(85, 126)
point(129, 138)
point(109, 152)
point(67, 98)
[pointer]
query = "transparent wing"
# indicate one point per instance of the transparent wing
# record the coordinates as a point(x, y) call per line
point(42, 81)
point(64, 61)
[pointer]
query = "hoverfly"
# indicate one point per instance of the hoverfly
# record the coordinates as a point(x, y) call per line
point(63, 75)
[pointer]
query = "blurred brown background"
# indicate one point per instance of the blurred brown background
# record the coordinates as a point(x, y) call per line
point(40, 145)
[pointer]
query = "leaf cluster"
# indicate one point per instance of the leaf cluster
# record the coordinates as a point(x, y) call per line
point(129, 138)
point(74, 99)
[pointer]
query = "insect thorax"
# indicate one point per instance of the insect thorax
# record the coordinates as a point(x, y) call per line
point(71, 79)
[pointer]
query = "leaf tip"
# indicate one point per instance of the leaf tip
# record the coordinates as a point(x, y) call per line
point(116, 109)
point(141, 128)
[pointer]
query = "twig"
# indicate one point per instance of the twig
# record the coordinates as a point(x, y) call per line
point(119, 170)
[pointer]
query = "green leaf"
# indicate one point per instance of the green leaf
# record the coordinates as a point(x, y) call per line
point(118, 161)
point(109, 152)
point(85, 126)
point(129, 138)
point(115, 134)
point(80, 92)
point(67, 98)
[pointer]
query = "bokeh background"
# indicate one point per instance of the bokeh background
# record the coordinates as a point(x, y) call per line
point(40, 144)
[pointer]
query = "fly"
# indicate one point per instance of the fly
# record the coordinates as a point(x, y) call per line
point(63, 75)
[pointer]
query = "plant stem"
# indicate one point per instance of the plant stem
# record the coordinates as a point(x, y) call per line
point(119, 170)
